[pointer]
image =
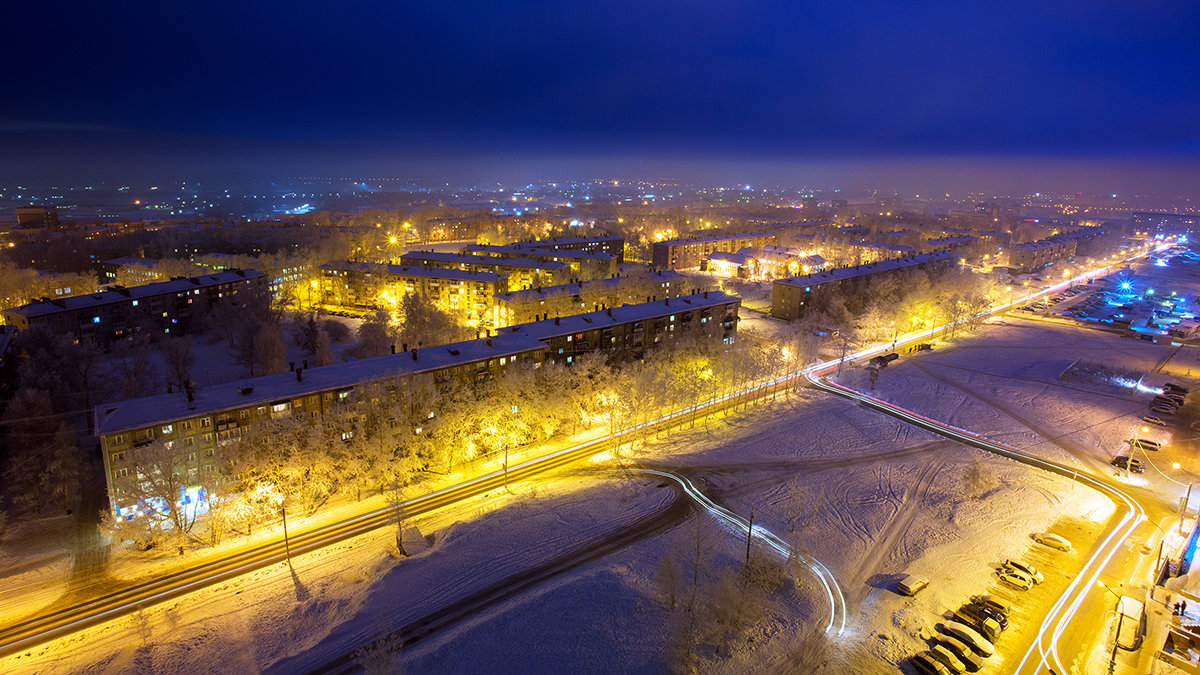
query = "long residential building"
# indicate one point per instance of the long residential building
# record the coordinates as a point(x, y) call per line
point(1034, 255)
point(792, 298)
point(689, 252)
point(520, 272)
point(583, 265)
point(544, 301)
point(200, 421)
point(467, 294)
point(605, 243)
point(165, 307)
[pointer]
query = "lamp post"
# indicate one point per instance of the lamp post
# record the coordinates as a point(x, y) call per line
point(1120, 622)
point(895, 335)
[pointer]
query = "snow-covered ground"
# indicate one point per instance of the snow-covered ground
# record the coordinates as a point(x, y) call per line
point(526, 584)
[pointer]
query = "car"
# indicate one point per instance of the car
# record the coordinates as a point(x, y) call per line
point(979, 644)
point(927, 665)
point(1174, 388)
point(948, 659)
point(1162, 410)
point(911, 585)
point(1052, 540)
point(1145, 444)
point(1131, 464)
point(1156, 421)
point(973, 609)
point(993, 602)
point(1177, 398)
point(1016, 579)
point(969, 658)
point(975, 618)
point(1028, 569)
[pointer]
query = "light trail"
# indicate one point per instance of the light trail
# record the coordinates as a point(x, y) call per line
point(833, 591)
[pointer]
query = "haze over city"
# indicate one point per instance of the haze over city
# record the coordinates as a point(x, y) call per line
point(600, 338)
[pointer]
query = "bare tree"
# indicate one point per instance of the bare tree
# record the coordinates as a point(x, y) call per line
point(177, 354)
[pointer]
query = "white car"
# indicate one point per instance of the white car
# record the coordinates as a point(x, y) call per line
point(1052, 540)
point(1016, 579)
point(968, 635)
point(1025, 568)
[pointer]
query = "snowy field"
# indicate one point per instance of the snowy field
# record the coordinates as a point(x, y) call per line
point(563, 575)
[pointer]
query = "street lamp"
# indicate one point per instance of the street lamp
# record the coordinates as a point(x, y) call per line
point(895, 335)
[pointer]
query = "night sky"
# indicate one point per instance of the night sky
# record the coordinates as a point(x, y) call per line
point(389, 86)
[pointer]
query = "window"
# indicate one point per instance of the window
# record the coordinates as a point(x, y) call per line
point(135, 303)
point(168, 428)
point(208, 452)
point(121, 473)
point(119, 457)
point(279, 407)
point(205, 421)
point(189, 441)
point(191, 457)
point(118, 439)
point(169, 445)
point(95, 319)
point(207, 437)
point(186, 425)
point(244, 413)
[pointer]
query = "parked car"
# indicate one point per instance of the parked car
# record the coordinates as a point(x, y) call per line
point(988, 612)
point(1174, 388)
point(964, 653)
point(1026, 568)
point(1052, 540)
point(948, 659)
point(927, 665)
point(975, 618)
point(1156, 421)
point(1145, 444)
point(993, 602)
point(911, 585)
point(979, 644)
point(1016, 579)
point(1162, 409)
point(1131, 464)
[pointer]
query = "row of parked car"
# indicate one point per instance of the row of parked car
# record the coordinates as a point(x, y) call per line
point(1169, 400)
point(968, 638)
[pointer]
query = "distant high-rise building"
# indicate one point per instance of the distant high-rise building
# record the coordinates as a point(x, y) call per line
point(809, 204)
point(37, 216)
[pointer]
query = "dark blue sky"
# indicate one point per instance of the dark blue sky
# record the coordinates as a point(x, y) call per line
point(372, 86)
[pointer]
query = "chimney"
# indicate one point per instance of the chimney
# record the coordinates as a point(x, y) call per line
point(393, 349)
point(292, 366)
point(667, 302)
point(556, 321)
point(489, 341)
point(299, 374)
point(191, 394)
point(414, 353)
point(610, 311)
point(404, 347)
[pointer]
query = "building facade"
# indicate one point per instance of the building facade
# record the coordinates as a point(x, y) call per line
point(690, 252)
point(164, 308)
point(545, 301)
point(792, 298)
point(200, 422)
point(583, 265)
point(465, 294)
point(520, 272)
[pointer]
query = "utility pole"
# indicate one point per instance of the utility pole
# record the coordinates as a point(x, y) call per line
point(286, 546)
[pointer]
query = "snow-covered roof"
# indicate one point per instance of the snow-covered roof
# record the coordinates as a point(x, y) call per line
point(131, 261)
point(413, 271)
point(549, 328)
point(575, 287)
point(74, 302)
point(899, 248)
point(841, 273)
point(415, 257)
point(719, 236)
point(539, 251)
point(951, 240)
point(574, 241)
point(738, 258)
point(142, 412)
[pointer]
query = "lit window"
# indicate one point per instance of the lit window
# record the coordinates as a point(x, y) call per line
point(168, 428)
point(95, 319)
point(135, 303)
